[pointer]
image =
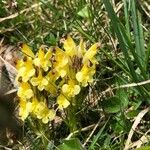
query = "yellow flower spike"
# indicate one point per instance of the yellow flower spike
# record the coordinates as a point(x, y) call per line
point(25, 91)
point(71, 89)
point(25, 109)
point(25, 69)
point(85, 76)
point(39, 81)
point(43, 60)
point(62, 101)
point(27, 50)
point(74, 66)
point(90, 54)
point(70, 46)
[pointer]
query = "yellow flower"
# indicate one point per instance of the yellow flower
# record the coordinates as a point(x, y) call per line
point(70, 46)
point(25, 109)
point(90, 54)
point(27, 50)
point(38, 110)
point(52, 76)
point(71, 89)
point(60, 63)
point(62, 101)
point(39, 81)
point(55, 71)
point(43, 60)
point(85, 76)
point(44, 113)
point(81, 49)
point(25, 91)
point(34, 104)
point(25, 69)
point(49, 116)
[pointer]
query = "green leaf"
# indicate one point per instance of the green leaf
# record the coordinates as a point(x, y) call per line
point(123, 96)
point(50, 39)
point(138, 33)
point(132, 113)
point(112, 105)
point(143, 148)
point(72, 144)
point(84, 12)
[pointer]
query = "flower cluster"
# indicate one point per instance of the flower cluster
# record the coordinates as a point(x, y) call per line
point(53, 73)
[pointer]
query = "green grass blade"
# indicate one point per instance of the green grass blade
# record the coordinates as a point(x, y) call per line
point(126, 12)
point(120, 36)
point(91, 147)
point(125, 43)
point(127, 47)
point(138, 33)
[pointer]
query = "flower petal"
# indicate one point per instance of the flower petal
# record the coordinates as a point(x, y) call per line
point(34, 81)
point(70, 46)
point(27, 50)
point(79, 76)
point(62, 102)
point(65, 88)
point(76, 89)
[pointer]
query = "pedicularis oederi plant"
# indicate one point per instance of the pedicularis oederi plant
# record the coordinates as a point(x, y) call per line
point(50, 80)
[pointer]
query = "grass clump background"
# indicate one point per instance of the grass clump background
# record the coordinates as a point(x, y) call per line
point(112, 111)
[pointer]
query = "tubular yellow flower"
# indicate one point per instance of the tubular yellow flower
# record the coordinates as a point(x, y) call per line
point(61, 61)
point(25, 91)
point(90, 54)
point(49, 116)
point(71, 89)
point(52, 76)
point(85, 76)
point(70, 46)
point(25, 69)
point(62, 101)
point(25, 109)
point(40, 81)
point(44, 113)
point(43, 60)
point(27, 50)
point(39, 107)
point(81, 49)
